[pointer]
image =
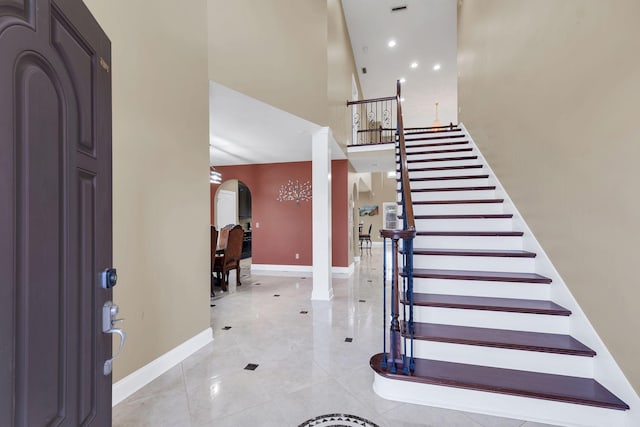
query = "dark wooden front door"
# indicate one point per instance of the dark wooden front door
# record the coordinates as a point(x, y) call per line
point(55, 214)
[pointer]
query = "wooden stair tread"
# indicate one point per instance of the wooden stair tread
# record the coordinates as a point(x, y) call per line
point(472, 233)
point(463, 216)
point(457, 202)
point(487, 276)
point(446, 178)
point(436, 144)
point(440, 131)
point(431, 190)
point(475, 252)
point(432, 138)
point(442, 159)
point(449, 150)
point(560, 388)
point(501, 338)
point(443, 168)
point(468, 302)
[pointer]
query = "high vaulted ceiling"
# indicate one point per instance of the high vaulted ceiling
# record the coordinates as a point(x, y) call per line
point(242, 129)
point(424, 32)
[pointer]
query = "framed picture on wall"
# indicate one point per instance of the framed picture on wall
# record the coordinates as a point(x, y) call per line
point(369, 210)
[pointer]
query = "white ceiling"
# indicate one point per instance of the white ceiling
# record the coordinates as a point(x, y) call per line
point(244, 130)
point(425, 32)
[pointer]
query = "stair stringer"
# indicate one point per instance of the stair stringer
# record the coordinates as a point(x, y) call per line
point(606, 370)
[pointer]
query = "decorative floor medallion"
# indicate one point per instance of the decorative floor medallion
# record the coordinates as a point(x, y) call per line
point(338, 420)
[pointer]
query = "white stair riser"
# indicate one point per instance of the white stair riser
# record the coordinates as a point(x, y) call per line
point(446, 172)
point(413, 154)
point(492, 319)
point(418, 196)
point(559, 364)
point(453, 137)
point(476, 263)
point(497, 404)
point(415, 148)
point(449, 183)
point(468, 242)
point(458, 208)
point(474, 224)
point(482, 289)
point(444, 163)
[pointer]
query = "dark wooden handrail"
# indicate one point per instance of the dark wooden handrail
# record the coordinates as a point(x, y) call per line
point(407, 204)
point(368, 101)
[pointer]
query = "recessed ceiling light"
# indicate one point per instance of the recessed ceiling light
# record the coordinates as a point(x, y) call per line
point(414, 65)
point(402, 99)
point(436, 67)
point(391, 43)
point(402, 80)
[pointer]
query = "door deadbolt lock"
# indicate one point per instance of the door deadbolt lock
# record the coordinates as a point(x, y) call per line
point(109, 278)
point(109, 313)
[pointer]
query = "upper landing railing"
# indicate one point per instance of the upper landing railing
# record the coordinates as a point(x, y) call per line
point(374, 120)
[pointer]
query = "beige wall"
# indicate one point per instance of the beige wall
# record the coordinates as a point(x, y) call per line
point(160, 167)
point(550, 92)
point(295, 55)
point(342, 67)
point(272, 50)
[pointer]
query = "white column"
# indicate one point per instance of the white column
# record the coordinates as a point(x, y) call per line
point(321, 176)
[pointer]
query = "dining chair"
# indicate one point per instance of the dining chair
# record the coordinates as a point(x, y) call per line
point(224, 235)
point(228, 258)
point(214, 246)
point(366, 240)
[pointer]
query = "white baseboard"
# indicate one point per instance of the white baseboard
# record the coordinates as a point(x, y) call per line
point(294, 269)
point(152, 370)
point(343, 271)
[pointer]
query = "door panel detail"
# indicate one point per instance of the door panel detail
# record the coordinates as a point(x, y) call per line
point(40, 282)
point(87, 274)
point(78, 59)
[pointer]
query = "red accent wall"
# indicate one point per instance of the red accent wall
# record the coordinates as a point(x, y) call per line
point(340, 213)
point(285, 228)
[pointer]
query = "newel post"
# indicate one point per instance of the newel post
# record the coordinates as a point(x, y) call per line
point(396, 355)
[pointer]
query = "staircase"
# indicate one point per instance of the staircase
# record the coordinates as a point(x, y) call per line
point(476, 311)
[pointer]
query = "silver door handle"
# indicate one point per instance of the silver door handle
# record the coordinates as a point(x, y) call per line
point(109, 312)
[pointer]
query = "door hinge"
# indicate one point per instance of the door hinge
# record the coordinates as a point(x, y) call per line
point(104, 64)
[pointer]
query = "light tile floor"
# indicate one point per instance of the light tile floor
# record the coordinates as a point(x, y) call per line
point(305, 366)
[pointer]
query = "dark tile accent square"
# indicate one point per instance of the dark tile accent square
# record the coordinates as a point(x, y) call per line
point(304, 312)
point(370, 281)
point(251, 367)
point(226, 328)
point(276, 295)
point(362, 300)
point(257, 284)
point(348, 340)
point(213, 305)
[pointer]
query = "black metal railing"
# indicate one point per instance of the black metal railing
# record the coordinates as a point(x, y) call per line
point(401, 327)
point(374, 120)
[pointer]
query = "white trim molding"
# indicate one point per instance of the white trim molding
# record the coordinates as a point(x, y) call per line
point(283, 269)
point(152, 370)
